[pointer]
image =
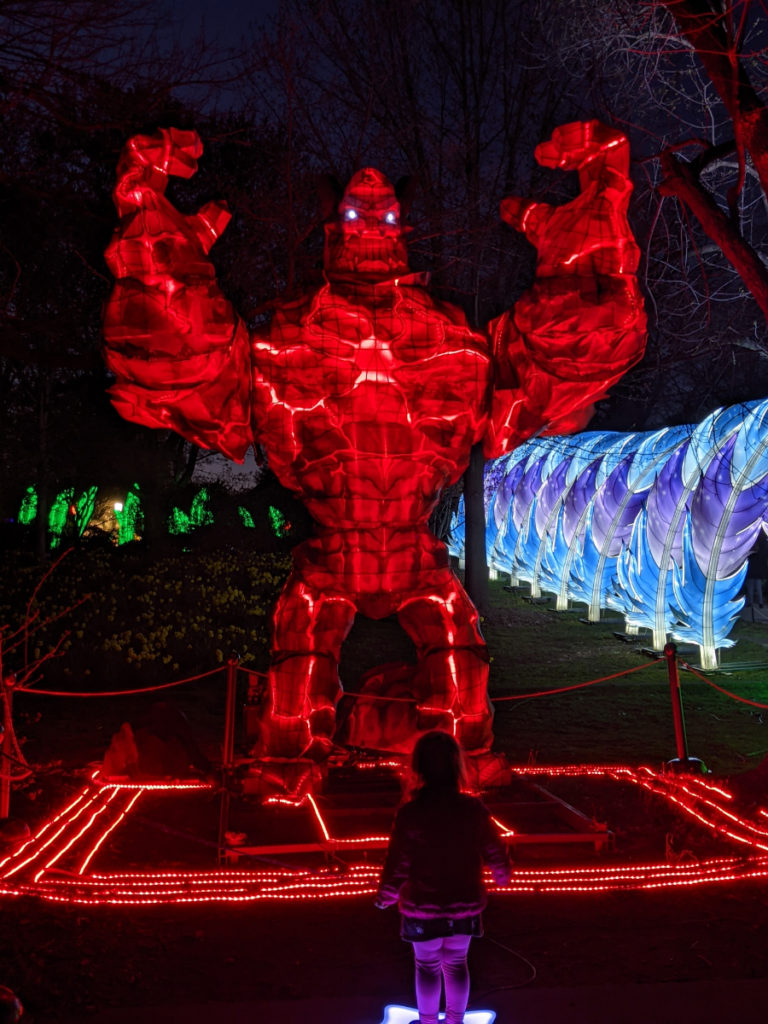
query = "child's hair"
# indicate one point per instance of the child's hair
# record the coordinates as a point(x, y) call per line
point(437, 760)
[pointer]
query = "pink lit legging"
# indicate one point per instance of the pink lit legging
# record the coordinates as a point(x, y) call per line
point(442, 959)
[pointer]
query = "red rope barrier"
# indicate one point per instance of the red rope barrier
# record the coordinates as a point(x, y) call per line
point(351, 696)
point(576, 686)
point(252, 672)
point(118, 693)
point(376, 696)
point(733, 696)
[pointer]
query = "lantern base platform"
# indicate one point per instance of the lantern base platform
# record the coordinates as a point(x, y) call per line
point(687, 765)
point(409, 1015)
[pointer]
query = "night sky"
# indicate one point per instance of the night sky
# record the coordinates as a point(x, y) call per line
point(225, 20)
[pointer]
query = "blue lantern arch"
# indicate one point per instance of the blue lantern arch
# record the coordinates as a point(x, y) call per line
point(657, 525)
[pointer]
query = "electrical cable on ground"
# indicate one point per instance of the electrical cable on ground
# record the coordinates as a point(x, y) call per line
point(209, 843)
point(506, 988)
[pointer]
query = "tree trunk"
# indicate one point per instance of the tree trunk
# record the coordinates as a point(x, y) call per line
point(476, 567)
point(681, 182)
point(43, 473)
point(714, 35)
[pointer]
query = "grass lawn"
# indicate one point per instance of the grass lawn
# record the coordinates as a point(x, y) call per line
point(150, 622)
point(153, 621)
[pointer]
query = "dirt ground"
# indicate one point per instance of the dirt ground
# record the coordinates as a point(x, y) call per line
point(58, 958)
point(63, 960)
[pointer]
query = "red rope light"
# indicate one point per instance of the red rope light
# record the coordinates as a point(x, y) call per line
point(146, 787)
point(41, 831)
point(89, 856)
point(77, 836)
point(52, 839)
point(95, 813)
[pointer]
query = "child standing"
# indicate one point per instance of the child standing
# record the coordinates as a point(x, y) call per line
point(433, 869)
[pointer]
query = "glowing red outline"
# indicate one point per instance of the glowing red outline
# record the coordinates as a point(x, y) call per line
point(368, 396)
point(696, 797)
point(112, 827)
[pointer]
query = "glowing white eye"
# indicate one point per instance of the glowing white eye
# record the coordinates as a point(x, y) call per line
point(391, 217)
point(350, 215)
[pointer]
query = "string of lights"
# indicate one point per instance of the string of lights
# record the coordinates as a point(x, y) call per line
point(40, 866)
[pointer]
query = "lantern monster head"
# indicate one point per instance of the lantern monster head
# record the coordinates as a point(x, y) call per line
point(366, 239)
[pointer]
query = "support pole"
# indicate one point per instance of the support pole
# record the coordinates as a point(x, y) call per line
point(476, 565)
point(228, 752)
point(682, 762)
point(6, 751)
point(228, 749)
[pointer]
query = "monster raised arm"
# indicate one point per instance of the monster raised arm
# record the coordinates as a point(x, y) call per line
point(180, 355)
point(582, 324)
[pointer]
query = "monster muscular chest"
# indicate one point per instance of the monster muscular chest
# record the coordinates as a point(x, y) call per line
point(367, 385)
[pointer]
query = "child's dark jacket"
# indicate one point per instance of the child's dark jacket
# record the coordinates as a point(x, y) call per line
point(435, 858)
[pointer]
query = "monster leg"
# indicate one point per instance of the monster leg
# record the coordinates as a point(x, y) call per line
point(308, 629)
point(452, 676)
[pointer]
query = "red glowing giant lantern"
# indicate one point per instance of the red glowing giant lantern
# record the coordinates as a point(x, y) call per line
point(367, 395)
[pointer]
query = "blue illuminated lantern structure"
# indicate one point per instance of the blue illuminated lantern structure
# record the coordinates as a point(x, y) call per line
point(658, 526)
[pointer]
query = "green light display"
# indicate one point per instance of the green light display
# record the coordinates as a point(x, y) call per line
point(180, 523)
point(84, 509)
point(129, 516)
point(28, 509)
point(278, 522)
point(245, 517)
point(57, 517)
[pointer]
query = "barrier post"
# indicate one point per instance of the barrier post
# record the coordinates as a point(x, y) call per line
point(682, 762)
point(228, 749)
point(6, 742)
point(228, 752)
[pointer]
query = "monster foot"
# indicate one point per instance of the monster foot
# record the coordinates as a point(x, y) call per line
point(291, 737)
point(279, 778)
point(487, 770)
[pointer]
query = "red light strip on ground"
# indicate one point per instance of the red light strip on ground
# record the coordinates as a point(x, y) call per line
point(720, 822)
point(741, 822)
point(697, 797)
point(709, 786)
point(41, 831)
point(504, 830)
point(77, 836)
point(334, 841)
point(319, 817)
point(36, 852)
point(103, 836)
point(362, 881)
point(148, 787)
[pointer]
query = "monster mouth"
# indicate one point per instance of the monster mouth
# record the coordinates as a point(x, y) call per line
point(374, 262)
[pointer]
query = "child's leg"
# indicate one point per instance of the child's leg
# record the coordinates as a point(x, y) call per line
point(428, 979)
point(456, 976)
